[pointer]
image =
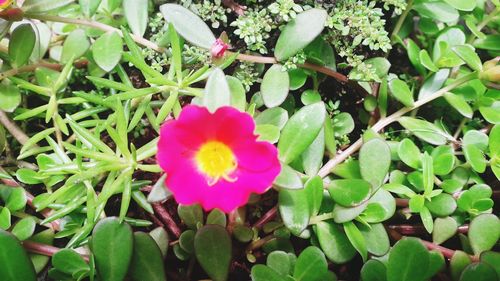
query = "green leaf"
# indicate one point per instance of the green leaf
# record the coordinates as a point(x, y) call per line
point(89, 7)
point(191, 215)
point(478, 272)
point(299, 32)
point(441, 205)
point(414, 56)
point(276, 116)
point(212, 246)
point(112, 246)
point(281, 262)
point(484, 232)
point(462, 5)
point(5, 219)
point(24, 228)
point(188, 25)
point(349, 192)
point(427, 174)
point(147, 260)
point(426, 61)
point(136, 13)
point(356, 239)
point(373, 270)
point(266, 132)
point(437, 10)
point(444, 229)
point(459, 261)
point(186, 241)
point(408, 261)
point(433, 83)
point(379, 65)
point(21, 44)
point(300, 131)
point(261, 272)
point(376, 237)
point(475, 158)
point(312, 157)
point(314, 193)
point(436, 263)
point(374, 161)
point(468, 54)
point(288, 178)
point(216, 216)
point(217, 92)
point(75, 45)
point(409, 153)
point(491, 113)
point(238, 95)
point(380, 207)
point(334, 242)
point(489, 42)
point(275, 85)
point(311, 265)
point(458, 102)
point(160, 236)
point(107, 50)
point(44, 237)
point(424, 130)
point(16, 264)
point(70, 262)
point(294, 209)
point(343, 124)
point(42, 6)
point(10, 96)
point(492, 259)
point(401, 92)
point(426, 217)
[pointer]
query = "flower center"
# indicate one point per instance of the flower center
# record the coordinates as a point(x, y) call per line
point(216, 160)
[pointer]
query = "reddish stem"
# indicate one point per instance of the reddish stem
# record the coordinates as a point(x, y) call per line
point(46, 250)
point(268, 216)
point(407, 229)
point(167, 219)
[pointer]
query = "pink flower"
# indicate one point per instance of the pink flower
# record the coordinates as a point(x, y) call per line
point(5, 3)
point(218, 48)
point(214, 159)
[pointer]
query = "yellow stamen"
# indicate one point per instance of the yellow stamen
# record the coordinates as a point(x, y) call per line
point(216, 160)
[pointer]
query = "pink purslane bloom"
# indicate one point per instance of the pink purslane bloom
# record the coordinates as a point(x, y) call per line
point(219, 48)
point(5, 3)
point(215, 159)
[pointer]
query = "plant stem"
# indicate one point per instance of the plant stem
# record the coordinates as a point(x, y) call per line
point(46, 250)
point(483, 23)
point(382, 123)
point(271, 214)
point(14, 130)
point(146, 43)
point(408, 229)
point(401, 19)
point(447, 253)
point(28, 68)
point(322, 217)
point(259, 243)
point(167, 219)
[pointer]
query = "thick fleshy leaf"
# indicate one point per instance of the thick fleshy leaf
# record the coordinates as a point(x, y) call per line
point(294, 209)
point(374, 161)
point(136, 13)
point(458, 102)
point(478, 272)
point(275, 86)
point(41, 6)
point(408, 261)
point(424, 130)
point(373, 270)
point(300, 131)
point(15, 262)
point(334, 242)
point(459, 261)
point(147, 261)
point(357, 239)
point(299, 32)
point(349, 192)
point(484, 232)
point(376, 237)
point(409, 153)
point(288, 178)
point(433, 83)
point(89, 7)
point(468, 54)
point(311, 265)
point(75, 45)
point(107, 50)
point(401, 92)
point(444, 229)
point(68, 261)
point(188, 25)
point(112, 246)
point(21, 44)
point(217, 92)
point(10, 96)
point(261, 272)
point(462, 5)
point(437, 10)
point(212, 246)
